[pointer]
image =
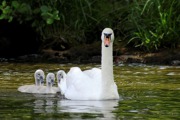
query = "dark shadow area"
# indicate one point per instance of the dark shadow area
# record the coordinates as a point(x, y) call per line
point(17, 39)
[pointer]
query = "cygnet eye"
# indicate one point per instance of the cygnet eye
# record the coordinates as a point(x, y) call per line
point(60, 75)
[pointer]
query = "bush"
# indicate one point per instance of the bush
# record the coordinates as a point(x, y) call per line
point(146, 24)
point(156, 24)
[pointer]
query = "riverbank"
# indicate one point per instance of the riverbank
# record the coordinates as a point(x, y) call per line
point(91, 53)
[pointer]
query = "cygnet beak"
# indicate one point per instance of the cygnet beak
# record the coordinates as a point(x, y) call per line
point(41, 79)
point(52, 81)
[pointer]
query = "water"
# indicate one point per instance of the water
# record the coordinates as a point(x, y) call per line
point(147, 92)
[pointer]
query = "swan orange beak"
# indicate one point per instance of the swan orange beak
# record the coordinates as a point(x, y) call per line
point(107, 41)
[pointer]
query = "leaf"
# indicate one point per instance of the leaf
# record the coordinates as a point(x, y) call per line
point(145, 6)
point(15, 4)
point(44, 8)
point(10, 19)
point(7, 10)
point(49, 21)
point(2, 17)
point(45, 15)
point(24, 8)
point(152, 33)
point(56, 12)
point(4, 3)
point(56, 17)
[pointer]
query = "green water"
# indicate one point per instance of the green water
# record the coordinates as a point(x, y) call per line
point(147, 92)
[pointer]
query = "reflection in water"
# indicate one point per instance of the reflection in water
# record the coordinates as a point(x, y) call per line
point(105, 107)
point(44, 104)
point(94, 107)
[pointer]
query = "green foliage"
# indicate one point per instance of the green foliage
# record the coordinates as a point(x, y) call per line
point(6, 11)
point(146, 24)
point(48, 14)
point(81, 21)
point(156, 24)
point(25, 12)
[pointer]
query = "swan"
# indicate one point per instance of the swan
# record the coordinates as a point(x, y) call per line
point(39, 81)
point(93, 84)
point(39, 84)
point(49, 89)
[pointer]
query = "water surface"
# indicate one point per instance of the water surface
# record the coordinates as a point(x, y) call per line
point(147, 92)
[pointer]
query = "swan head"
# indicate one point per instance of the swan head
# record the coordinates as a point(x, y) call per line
point(39, 77)
point(61, 80)
point(50, 79)
point(107, 36)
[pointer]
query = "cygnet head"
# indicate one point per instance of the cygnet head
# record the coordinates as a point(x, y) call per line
point(61, 80)
point(50, 79)
point(107, 36)
point(39, 77)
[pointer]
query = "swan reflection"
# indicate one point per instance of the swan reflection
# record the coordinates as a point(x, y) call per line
point(45, 103)
point(87, 106)
point(52, 105)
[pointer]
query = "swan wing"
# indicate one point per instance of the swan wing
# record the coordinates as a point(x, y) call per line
point(37, 89)
point(94, 73)
point(28, 89)
point(81, 85)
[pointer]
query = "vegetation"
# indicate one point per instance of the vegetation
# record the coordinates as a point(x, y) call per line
point(147, 24)
point(156, 24)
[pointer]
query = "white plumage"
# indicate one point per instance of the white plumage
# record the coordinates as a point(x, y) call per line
point(93, 84)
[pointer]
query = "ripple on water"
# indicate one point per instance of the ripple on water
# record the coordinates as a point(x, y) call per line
point(148, 93)
point(172, 73)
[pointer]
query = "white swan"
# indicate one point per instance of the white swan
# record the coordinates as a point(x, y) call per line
point(39, 80)
point(94, 84)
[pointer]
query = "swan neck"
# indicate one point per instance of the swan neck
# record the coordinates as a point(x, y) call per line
point(107, 64)
point(49, 85)
point(37, 82)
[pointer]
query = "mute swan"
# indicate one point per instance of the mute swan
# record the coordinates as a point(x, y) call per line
point(39, 80)
point(49, 89)
point(94, 84)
